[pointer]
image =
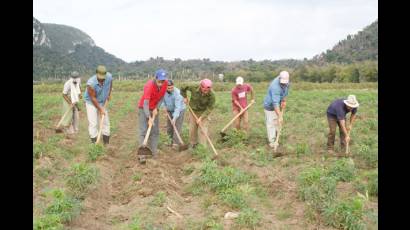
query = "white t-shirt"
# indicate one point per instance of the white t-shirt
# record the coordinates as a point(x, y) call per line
point(67, 87)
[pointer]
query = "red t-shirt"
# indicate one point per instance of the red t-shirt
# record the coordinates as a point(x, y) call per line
point(239, 93)
point(153, 94)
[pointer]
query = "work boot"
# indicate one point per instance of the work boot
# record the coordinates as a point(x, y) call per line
point(93, 140)
point(106, 139)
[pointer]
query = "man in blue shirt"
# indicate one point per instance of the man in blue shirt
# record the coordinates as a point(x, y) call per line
point(336, 114)
point(98, 91)
point(274, 103)
point(175, 107)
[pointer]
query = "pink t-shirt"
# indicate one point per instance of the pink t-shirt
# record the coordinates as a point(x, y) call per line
point(239, 93)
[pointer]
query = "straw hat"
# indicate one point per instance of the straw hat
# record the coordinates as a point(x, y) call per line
point(351, 101)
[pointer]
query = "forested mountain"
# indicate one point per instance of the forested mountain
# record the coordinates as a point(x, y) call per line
point(60, 49)
point(359, 47)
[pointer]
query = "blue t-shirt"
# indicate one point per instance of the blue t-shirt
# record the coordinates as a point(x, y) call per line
point(174, 102)
point(338, 110)
point(101, 92)
point(275, 95)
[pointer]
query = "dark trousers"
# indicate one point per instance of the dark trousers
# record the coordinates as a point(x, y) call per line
point(332, 133)
point(178, 124)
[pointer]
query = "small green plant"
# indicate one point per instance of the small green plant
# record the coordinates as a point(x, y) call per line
point(261, 157)
point(48, 222)
point(43, 172)
point(373, 184)
point(369, 155)
point(159, 199)
point(201, 151)
point(302, 149)
point(233, 197)
point(80, 177)
point(64, 206)
point(38, 149)
point(137, 176)
point(346, 214)
point(316, 188)
point(249, 218)
point(135, 223)
point(343, 170)
point(234, 138)
point(219, 179)
point(94, 151)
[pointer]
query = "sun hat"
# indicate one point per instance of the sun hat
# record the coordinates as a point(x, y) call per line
point(284, 77)
point(351, 101)
point(239, 80)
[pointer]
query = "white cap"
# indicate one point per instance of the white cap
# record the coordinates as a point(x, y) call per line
point(284, 77)
point(239, 80)
point(351, 101)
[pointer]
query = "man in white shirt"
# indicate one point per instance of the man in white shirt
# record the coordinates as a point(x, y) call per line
point(71, 96)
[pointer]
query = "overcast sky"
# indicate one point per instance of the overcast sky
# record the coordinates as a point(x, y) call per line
point(224, 30)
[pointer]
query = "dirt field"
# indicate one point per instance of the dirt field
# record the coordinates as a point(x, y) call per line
point(245, 178)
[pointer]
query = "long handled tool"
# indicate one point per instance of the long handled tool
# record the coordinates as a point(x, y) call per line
point(144, 150)
point(58, 129)
point(203, 131)
point(101, 124)
point(276, 143)
point(347, 144)
point(182, 146)
point(233, 119)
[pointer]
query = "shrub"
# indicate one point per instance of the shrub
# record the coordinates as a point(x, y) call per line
point(346, 214)
point(65, 207)
point(94, 151)
point(249, 218)
point(80, 177)
point(343, 170)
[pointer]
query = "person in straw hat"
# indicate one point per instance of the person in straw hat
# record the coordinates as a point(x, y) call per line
point(336, 114)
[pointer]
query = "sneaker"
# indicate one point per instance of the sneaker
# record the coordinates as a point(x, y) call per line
point(174, 147)
point(271, 145)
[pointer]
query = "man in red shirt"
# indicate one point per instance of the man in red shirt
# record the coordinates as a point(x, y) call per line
point(239, 102)
point(154, 91)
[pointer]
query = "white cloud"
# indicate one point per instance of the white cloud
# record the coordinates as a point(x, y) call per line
point(219, 30)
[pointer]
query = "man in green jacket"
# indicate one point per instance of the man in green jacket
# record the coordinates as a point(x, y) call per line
point(202, 103)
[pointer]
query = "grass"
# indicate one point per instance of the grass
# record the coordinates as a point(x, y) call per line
point(249, 218)
point(135, 223)
point(343, 170)
point(159, 199)
point(231, 183)
point(94, 151)
point(346, 214)
point(201, 152)
point(62, 209)
point(80, 177)
point(137, 176)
